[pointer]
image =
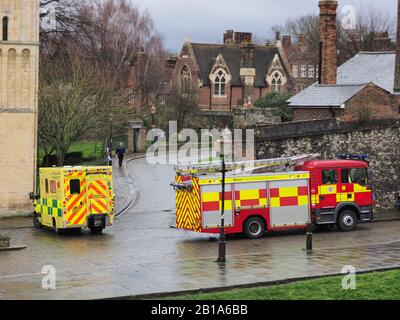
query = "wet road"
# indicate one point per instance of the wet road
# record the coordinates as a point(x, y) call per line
point(141, 254)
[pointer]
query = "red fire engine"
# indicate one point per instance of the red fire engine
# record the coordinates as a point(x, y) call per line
point(328, 192)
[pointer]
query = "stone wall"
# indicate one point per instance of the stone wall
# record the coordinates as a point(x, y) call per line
point(380, 140)
point(239, 119)
point(255, 117)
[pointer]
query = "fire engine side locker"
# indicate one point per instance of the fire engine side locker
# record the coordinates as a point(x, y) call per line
point(211, 203)
point(289, 203)
point(285, 197)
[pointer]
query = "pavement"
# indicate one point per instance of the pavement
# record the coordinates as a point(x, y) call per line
point(142, 255)
point(124, 185)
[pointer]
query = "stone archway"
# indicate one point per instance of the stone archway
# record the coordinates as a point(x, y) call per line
point(136, 136)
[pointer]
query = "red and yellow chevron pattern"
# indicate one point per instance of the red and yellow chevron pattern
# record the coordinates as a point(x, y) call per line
point(97, 195)
point(76, 203)
point(188, 213)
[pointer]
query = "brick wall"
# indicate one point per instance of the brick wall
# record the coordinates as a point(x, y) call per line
point(328, 38)
point(371, 103)
point(303, 114)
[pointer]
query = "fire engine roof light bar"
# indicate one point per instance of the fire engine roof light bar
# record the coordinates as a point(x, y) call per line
point(361, 157)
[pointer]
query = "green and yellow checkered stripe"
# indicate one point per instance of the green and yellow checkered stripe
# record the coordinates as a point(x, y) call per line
point(51, 207)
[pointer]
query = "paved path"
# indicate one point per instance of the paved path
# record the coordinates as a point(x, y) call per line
point(140, 254)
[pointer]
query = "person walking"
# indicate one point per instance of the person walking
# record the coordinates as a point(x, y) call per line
point(120, 152)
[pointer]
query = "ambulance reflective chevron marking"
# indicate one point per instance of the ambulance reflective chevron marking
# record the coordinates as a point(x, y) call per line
point(97, 195)
point(75, 197)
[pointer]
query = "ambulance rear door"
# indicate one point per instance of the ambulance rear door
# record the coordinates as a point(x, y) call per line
point(98, 197)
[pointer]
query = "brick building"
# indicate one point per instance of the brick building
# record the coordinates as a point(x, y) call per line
point(233, 74)
point(362, 88)
point(303, 61)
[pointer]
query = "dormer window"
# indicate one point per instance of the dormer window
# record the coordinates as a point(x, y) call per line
point(276, 82)
point(220, 84)
point(5, 28)
point(185, 79)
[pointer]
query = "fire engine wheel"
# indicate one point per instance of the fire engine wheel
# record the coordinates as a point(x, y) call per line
point(347, 220)
point(254, 228)
point(36, 222)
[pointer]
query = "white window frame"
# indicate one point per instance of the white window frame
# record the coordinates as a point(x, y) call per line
point(295, 71)
point(311, 72)
point(186, 79)
point(303, 71)
point(220, 83)
point(277, 81)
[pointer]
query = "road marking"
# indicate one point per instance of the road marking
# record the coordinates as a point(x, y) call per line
point(20, 275)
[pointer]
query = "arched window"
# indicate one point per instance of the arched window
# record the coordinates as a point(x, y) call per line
point(276, 82)
point(5, 29)
point(185, 79)
point(220, 83)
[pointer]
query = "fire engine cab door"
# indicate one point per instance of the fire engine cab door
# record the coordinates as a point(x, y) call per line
point(328, 189)
point(97, 194)
point(211, 203)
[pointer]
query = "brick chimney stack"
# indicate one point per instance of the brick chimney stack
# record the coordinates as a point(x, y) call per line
point(397, 72)
point(328, 37)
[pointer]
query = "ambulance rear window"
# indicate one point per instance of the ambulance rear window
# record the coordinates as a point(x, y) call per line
point(75, 186)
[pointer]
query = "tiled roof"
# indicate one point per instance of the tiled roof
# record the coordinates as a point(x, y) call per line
point(206, 55)
point(325, 95)
point(366, 67)
point(375, 67)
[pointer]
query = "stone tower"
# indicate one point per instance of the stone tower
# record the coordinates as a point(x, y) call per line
point(328, 37)
point(19, 57)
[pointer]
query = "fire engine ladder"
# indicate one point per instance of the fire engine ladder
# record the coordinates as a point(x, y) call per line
point(263, 165)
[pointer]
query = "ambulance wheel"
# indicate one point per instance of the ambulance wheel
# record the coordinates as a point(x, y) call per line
point(347, 220)
point(36, 222)
point(96, 230)
point(57, 230)
point(254, 228)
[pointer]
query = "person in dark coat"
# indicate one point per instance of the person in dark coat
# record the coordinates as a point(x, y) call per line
point(120, 152)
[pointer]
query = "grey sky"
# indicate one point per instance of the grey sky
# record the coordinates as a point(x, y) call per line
point(206, 20)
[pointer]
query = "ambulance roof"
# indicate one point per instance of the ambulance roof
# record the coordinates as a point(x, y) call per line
point(76, 169)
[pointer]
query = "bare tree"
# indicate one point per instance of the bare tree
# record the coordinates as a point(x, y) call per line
point(87, 60)
point(182, 104)
point(72, 101)
point(371, 28)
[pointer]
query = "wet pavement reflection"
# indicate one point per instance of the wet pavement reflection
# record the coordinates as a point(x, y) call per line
point(141, 254)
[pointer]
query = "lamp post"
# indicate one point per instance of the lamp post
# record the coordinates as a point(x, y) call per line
point(222, 237)
point(153, 110)
point(111, 140)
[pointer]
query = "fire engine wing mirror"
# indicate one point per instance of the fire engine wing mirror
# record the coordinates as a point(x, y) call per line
point(33, 197)
point(184, 186)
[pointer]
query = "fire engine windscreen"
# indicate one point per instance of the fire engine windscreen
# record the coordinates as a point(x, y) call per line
point(358, 176)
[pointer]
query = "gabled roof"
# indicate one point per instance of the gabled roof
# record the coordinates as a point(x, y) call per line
point(325, 95)
point(377, 68)
point(365, 67)
point(206, 54)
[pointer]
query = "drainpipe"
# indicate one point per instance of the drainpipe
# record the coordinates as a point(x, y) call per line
point(210, 97)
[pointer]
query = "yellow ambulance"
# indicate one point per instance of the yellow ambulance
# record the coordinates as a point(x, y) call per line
point(74, 198)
